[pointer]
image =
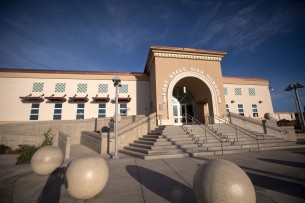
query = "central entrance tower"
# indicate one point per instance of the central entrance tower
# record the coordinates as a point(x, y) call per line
point(185, 81)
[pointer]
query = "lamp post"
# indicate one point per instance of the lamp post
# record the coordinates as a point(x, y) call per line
point(117, 83)
point(295, 86)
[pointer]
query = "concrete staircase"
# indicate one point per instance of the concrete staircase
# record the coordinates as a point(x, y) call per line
point(199, 140)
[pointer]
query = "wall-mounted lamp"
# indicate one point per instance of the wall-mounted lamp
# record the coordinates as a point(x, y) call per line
point(232, 101)
point(184, 89)
point(260, 101)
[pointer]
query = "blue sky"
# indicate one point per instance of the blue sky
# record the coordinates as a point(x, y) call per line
point(264, 39)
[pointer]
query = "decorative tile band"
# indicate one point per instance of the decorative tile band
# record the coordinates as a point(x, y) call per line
point(187, 56)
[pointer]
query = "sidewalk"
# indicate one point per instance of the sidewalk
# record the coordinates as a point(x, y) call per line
point(278, 176)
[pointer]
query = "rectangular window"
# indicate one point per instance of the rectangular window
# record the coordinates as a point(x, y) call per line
point(237, 91)
point(123, 89)
point(227, 108)
point(123, 109)
point(34, 111)
point(82, 88)
point(60, 87)
point(57, 112)
point(102, 110)
point(80, 112)
point(251, 91)
point(226, 91)
point(254, 110)
point(38, 87)
point(102, 88)
point(241, 109)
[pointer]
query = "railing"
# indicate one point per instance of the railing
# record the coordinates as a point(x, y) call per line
point(194, 121)
point(235, 127)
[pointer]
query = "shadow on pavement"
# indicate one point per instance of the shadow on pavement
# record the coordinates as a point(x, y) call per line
point(51, 190)
point(283, 162)
point(278, 185)
point(162, 185)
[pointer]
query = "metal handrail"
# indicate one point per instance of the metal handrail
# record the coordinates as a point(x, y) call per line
point(194, 120)
point(237, 128)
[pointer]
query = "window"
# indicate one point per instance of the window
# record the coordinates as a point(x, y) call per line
point(251, 91)
point(60, 87)
point(227, 108)
point(82, 88)
point(57, 112)
point(123, 109)
point(241, 109)
point(34, 112)
point(226, 91)
point(102, 88)
point(37, 87)
point(237, 91)
point(254, 110)
point(80, 111)
point(123, 89)
point(102, 110)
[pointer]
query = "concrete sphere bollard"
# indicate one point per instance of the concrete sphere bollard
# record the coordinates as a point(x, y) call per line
point(268, 116)
point(222, 181)
point(46, 159)
point(86, 176)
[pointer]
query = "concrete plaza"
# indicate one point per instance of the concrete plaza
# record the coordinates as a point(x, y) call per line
point(278, 176)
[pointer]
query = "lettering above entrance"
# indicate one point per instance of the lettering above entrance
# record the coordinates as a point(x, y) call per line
point(200, 72)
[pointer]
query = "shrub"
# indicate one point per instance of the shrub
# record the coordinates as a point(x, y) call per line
point(5, 149)
point(48, 139)
point(27, 151)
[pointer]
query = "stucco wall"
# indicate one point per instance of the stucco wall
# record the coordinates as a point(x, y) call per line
point(262, 99)
point(13, 109)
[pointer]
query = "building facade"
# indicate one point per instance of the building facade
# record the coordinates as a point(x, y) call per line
point(175, 81)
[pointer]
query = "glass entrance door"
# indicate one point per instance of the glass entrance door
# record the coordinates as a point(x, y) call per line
point(182, 103)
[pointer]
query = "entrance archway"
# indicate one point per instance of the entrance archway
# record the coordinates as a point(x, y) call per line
point(204, 95)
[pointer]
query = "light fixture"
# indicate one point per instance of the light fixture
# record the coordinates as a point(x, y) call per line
point(260, 101)
point(295, 86)
point(117, 83)
point(232, 101)
point(184, 89)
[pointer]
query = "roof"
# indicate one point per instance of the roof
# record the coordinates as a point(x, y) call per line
point(244, 81)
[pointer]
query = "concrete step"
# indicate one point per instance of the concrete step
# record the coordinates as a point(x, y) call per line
point(176, 136)
point(229, 147)
point(132, 153)
point(278, 147)
point(177, 139)
point(219, 152)
point(154, 152)
point(152, 142)
point(166, 156)
point(153, 147)
point(154, 139)
point(153, 136)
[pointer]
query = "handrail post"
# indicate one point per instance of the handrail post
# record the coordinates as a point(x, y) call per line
point(205, 134)
point(236, 132)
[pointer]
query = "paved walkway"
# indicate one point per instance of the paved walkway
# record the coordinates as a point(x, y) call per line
point(278, 176)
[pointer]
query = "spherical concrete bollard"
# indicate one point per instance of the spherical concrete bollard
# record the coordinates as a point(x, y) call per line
point(86, 176)
point(268, 116)
point(46, 159)
point(222, 181)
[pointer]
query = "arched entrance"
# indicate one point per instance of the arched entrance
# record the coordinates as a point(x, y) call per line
point(201, 97)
